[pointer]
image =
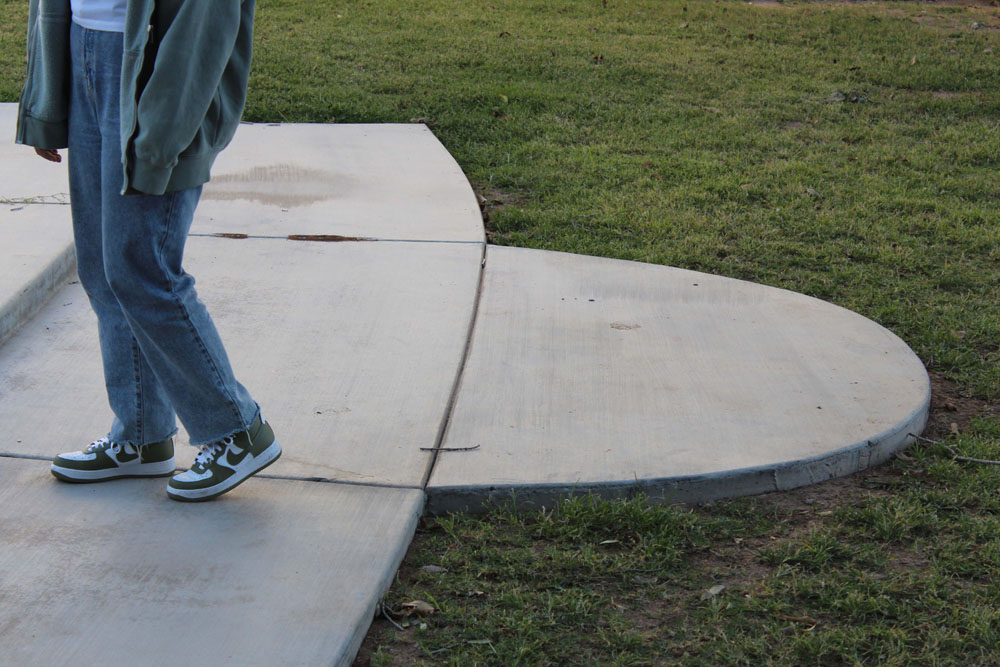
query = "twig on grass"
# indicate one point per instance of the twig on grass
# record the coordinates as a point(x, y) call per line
point(384, 612)
point(444, 648)
point(470, 641)
point(954, 454)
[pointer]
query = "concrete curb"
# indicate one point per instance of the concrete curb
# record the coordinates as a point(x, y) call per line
point(30, 298)
point(386, 578)
point(694, 488)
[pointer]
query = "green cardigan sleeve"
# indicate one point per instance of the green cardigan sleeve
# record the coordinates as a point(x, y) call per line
point(43, 112)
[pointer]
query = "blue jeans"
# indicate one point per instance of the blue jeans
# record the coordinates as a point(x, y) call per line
point(162, 354)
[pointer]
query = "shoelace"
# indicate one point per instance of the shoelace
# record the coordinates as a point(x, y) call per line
point(208, 452)
point(104, 443)
point(97, 445)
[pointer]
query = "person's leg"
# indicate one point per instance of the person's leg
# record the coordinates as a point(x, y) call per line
point(142, 411)
point(139, 442)
point(143, 239)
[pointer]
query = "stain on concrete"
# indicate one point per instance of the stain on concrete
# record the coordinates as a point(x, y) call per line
point(326, 238)
point(283, 185)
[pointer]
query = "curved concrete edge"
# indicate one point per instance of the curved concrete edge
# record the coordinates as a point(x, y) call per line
point(386, 578)
point(693, 489)
point(30, 298)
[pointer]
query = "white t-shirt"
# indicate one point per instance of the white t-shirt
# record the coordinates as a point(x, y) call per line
point(107, 15)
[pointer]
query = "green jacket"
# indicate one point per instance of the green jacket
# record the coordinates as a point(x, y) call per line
point(184, 82)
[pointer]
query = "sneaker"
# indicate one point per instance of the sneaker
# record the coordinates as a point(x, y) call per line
point(104, 460)
point(221, 466)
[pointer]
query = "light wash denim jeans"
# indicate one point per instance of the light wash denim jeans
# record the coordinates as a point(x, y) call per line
point(161, 351)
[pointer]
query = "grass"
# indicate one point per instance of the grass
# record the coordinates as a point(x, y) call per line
point(847, 151)
point(895, 566)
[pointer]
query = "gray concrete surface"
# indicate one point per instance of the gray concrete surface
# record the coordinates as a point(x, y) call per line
point(281, 573)
point(38, 255)
point(381, 181)
point(35, 239)
point(352, 350)
point(588, 374)
point(24, 175)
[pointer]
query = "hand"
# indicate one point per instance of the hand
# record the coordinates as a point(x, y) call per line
point(49, 154)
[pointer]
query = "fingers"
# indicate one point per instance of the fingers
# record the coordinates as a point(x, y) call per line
point(49, 154)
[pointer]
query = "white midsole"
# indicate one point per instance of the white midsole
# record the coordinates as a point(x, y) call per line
point(247, 467)
point(137, 470)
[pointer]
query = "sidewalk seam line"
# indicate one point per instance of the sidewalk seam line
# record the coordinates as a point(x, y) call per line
point(289, 478)
point(459, 374)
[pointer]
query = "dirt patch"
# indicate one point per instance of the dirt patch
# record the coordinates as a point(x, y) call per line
point(949, 406)
point(491, 201)
point(398, 646)
point(904, 560)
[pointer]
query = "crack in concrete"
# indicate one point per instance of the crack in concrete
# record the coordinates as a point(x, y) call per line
point(58, 199)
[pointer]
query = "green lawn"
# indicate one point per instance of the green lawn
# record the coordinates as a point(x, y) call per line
point(847, 151)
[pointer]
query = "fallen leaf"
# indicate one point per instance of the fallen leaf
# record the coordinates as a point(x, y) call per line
point(712, 592)
point(610, 541)
point(953, 428)
point(417, 607)
point(433, 569)
point(913, 60)
point(504, 98)
point(684, 25)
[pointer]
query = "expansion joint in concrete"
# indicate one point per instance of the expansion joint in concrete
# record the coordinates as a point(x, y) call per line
point(287, 478)
point(457, 384)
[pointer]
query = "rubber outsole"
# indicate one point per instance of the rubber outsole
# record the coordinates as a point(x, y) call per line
point(63, 477)
point(189, 499)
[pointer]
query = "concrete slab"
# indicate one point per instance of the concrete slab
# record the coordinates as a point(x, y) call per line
point(589, 374)
point(352, 349)
point(23, 175)
point(386, 181)
point(382, 181)
point(277, 572)
point(38, 256)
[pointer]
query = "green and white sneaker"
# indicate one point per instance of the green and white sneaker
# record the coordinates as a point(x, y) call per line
point(221, 466)
point(104, 460)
